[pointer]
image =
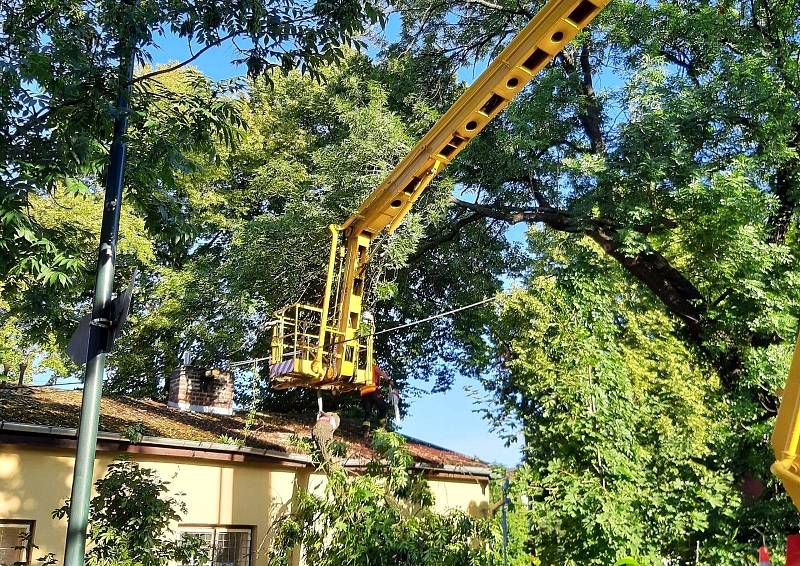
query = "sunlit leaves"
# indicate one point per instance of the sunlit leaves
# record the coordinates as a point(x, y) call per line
point(383, 517)
point(131, 521)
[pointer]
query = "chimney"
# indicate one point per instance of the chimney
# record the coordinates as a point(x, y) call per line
point(201, 390)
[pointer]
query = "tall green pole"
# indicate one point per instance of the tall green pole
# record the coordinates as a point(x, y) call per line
point(100, 327)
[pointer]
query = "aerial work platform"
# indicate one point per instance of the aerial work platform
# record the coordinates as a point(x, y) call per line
point(330, 346)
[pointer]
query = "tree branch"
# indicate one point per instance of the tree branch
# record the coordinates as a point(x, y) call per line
point(165, 70)
point(651, 268)
point(554, 217)
point(449, 236)
point(671, 287)
point(491, 5)
point(592, 116)
point(688, 66)
point(786, 190)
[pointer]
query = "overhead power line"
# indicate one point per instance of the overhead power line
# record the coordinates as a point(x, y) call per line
point(434, 317)
point(376, 333)
point(387, 330)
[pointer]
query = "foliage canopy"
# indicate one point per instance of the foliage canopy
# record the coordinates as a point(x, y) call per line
point(654, 168)
point(383, 517)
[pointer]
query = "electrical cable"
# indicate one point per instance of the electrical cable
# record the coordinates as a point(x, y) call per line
point(50, 384)
point(392, 329)
point(377, 333)
point(434, 317)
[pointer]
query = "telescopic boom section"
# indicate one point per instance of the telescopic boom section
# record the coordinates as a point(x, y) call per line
point(542, 39)
point(786, 436)
point(320, 347)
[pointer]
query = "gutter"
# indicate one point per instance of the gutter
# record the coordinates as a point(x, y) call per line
point(203, 450)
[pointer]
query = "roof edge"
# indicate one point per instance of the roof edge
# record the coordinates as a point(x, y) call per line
point(159, 441)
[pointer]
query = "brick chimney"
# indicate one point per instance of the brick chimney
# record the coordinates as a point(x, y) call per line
point(201, 390)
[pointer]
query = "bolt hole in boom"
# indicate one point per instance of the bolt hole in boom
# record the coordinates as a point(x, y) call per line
point(396, 203)
point(512, 82)
point(556, 37)
point(471, 125)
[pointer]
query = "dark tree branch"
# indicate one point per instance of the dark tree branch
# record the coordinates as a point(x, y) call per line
point(722, 297)
point(651, 268)
point(591, 117)
point(556, 218)
point(41, 115)
point(672, 288)
point(449, 236)
point(786, 190)
point(498, 8)
point(687, 65)
point(165, 70)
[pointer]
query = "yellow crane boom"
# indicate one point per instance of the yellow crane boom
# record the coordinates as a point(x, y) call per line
point(325, 346)
point(786, 434)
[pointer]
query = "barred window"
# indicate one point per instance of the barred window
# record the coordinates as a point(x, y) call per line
point(15, 541)
point(226, 546)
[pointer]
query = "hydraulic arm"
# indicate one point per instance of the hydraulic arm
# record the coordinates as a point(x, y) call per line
point(786, 435)
point(330, 346)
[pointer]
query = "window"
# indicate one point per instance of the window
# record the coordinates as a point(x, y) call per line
point(15, 541)
point(227, 546)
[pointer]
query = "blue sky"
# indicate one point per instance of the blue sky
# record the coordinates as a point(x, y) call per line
point(450, 420)
point(446, 419)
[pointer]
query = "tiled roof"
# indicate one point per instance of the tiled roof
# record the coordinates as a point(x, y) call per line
point(60, 408)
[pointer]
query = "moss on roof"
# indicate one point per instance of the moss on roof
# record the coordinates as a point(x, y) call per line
point(61, 408)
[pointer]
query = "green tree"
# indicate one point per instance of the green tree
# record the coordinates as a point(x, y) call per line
point(656, 160)
point(626, 430)
point(308, 154)
point(382, 517)
point(59, 77)
point(130, 521)
point(667, 169)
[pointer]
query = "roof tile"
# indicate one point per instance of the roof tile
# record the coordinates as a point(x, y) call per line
point(61, 408)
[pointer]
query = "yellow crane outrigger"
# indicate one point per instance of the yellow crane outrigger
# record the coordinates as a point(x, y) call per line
point(330, 346)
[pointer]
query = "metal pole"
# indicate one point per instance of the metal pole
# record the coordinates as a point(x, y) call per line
point(504, 522)
point(100, 325)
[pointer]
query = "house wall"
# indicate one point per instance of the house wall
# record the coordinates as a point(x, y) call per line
point(34, 481)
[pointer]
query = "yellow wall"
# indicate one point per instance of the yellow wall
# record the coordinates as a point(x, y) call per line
point(467, 494)
point(34, 481)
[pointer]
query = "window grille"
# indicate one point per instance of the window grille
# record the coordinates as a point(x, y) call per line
point(226, 546)
point(15, 541)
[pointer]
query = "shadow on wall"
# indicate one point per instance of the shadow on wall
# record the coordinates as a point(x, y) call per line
point(237, 496)
point(479, 509)
point(280, 505)
point(33, 483)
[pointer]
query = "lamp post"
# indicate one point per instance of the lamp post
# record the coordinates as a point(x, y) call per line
point(100, 327)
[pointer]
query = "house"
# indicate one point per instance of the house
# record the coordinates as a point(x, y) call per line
point(233, 492)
